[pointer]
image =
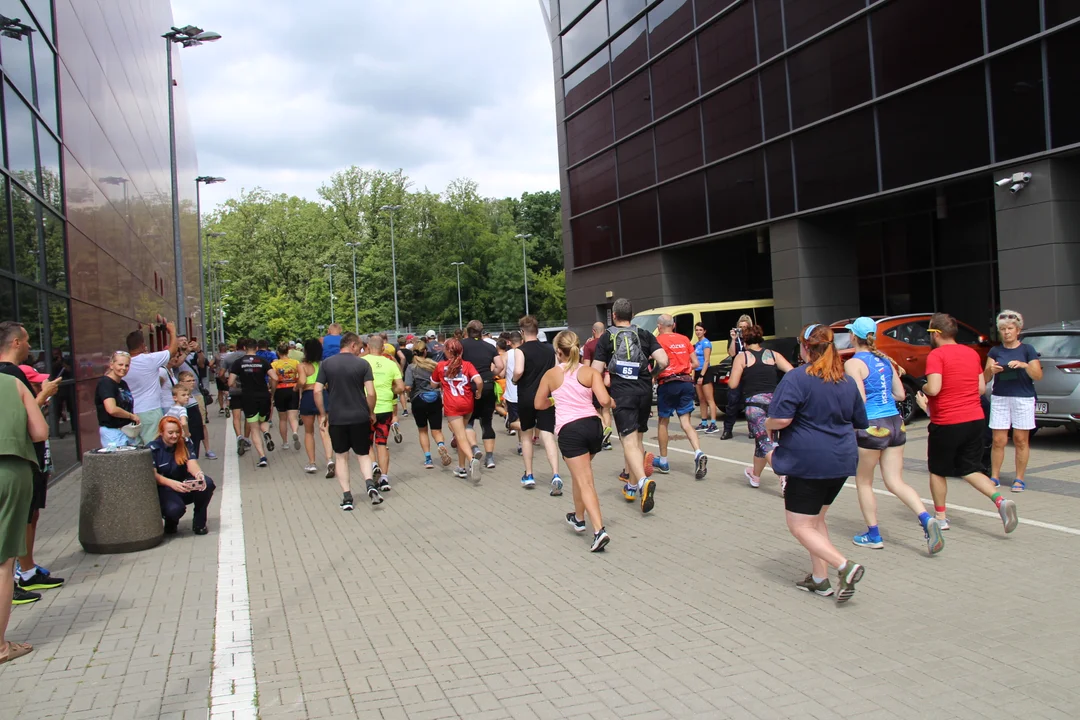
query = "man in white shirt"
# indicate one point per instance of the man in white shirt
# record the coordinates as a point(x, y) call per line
point(142, 379)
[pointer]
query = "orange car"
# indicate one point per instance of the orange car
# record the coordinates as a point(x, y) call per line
point(905, 339)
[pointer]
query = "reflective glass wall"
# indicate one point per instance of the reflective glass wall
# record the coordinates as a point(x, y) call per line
point(687, 118)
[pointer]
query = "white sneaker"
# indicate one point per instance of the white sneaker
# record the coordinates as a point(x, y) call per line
point(751, 478)
point(310, 468)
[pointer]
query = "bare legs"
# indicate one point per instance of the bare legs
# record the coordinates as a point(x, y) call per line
point(343, 469)
point(586, 501)
point(255, 432)
point(1021, 447)
point(7, 587)
point(457, 429)
point(892, 471)
point(382, 456)
point(26, 562)
point(550, 450)
point(812, 534)
point(708, 402)
point(425, 442)
point(310, 428)
point(634, 455)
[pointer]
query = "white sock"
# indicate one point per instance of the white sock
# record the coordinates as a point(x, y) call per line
point(27, 574)
point(641, 483)
point(663, 458)
point(817, 580)
point(698, 453)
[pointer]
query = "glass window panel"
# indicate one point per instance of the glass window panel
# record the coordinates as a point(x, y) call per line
point(55, 258)
point(570, 9)
point(947, 34)
point(830, 75)
point(682, 209)
point(910, 293)
point(674, 79)
point(770, 28)
point(805, 18)
point(726, 48)
point(678, 144)
point(45, 72)
point(836, 160)
point(592, 183)
point(732, 119)
point(587, 35)
point(629, 51)
point(637, 164)
point(7, 299)
point(15, 52)
point(965, 235)
point(1059, 11)
point(908, 242)
point(872, 296)
point(781, 180)
point(774, 100)
point(1008, 21)
point(589, 131)
point(935, 130)
point(868, 249)
point(1064, 79)
point(1016, 84)
point(705, 10)
point(669, 21)
point(19, 131)
point(24, 217)
point(63, 417)
point(737, 192)
point(49, 152)
point(596, 236)
point(621, 11)
point(42, 10)
point(633, 106)
point(586, 82)
point(5, 238)
point(30, 315)
point(640, 223)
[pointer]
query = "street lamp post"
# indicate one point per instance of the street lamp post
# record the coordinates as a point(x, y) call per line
point(355, 310)
point(220, 299)
point(393, 261)
point(187, 36)
point(211, 313)
point(457, 266)
point(202, 269)
point(524, 267)
point(330, 267)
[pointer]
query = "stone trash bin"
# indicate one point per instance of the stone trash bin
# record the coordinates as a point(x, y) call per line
point(119, 511)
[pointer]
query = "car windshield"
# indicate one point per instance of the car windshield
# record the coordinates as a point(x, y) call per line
point(842, 339)
point(1055, 346)
point(646, 322)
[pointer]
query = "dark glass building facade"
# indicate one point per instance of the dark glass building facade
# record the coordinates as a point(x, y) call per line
point(835, 155)
point(85, 205)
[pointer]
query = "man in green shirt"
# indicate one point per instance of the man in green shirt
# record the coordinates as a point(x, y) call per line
point(388, 385)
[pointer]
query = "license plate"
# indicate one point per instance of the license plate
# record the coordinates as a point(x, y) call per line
point(1042, 408)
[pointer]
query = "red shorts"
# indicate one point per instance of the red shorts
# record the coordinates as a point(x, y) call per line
point(380, 431)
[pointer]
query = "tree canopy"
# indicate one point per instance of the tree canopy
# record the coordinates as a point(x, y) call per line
point(274, 282)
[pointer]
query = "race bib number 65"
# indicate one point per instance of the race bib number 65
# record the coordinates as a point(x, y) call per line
point(627, 370)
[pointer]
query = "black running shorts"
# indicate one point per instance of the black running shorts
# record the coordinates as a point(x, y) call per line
point(805, 496)
point(632, 414)
point(256, 406)
point(581, 437)
point(531, 417)
point(286, 399)
point(355, 437)
point(955, 450)
point(427, 414)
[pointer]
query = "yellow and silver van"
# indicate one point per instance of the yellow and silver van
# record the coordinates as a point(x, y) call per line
point(718, 318)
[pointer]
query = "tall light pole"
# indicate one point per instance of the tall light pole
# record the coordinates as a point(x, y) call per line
point(202, 268)
point(220, 299)
point(393, 261)
point(457, 266)
point(524, 267)
point(355, 310)
point(211, 303)
point(330, 267)
point(187, 36)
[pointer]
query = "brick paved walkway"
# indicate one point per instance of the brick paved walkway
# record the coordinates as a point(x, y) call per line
point(451, 600)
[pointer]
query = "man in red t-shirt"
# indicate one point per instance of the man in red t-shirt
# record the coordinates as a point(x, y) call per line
point(675, 393)
point(954, 385)
point(588, 350)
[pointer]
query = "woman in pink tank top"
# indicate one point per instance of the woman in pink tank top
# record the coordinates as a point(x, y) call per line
point(578, 427)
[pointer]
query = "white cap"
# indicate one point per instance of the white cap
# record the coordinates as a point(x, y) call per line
point(430, 334)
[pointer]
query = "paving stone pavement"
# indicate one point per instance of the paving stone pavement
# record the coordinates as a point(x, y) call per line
point(455, 600)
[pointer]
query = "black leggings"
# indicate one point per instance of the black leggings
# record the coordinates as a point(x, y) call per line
point(483, 409)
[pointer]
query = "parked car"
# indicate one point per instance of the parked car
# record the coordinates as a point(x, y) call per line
point(1058, 393)
point(906, 339)
point(547, 334)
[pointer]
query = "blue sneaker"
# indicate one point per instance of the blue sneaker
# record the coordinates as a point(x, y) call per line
point(527, 481)
point(866, 541)
point(629, 492)
point(556, 486)
point(702, 425)
point(662, 465)
point(428, 464)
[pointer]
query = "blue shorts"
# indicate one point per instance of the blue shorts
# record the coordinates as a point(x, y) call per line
point(675, 397)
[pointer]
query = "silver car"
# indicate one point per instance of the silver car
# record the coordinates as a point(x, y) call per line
point(1058, 393)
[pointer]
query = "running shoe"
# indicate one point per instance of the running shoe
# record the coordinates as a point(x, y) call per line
point(754, 480)
point(935, 541)
point(662, 465)
point(866, 541)
point(396, 429)
point(648, 491)
point(461, 473)
point(428, 464)
point(824, 588)
point(210, 455)
point(624, 476)
point(1007, 511)
point(24, 597)
point(477, 453)
point(384, 483)
point(712, 429)
point(556, 486)
point(943, 523)
point(851, 574)
point(453, 442)
point(346, 501)
point(241, 447)
point(701, 463)
point(572, 521)
point(519, 448)
point(649, 458)
point(444, 455)
point(702, 426)
point(37, 581)
point(474, 469)
point(607, 446)
point(404, 412)
point(269, 441)
point(489, 463)
point(629, 492)
point(262, 462)
point(528, 481)
point(331, 469)
point(600, 541)
point(607, 436)
point(376, 471)
point(296, 441)
point(374, 496)
point(310, 468)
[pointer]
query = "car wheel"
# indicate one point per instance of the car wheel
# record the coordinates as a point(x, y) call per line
point(907, 408)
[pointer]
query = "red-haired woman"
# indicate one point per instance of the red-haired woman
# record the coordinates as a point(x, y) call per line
point(180, 480)
point(814, 411)
point(461, 386)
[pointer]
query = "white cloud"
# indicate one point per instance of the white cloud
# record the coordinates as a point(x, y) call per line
point(443, 89)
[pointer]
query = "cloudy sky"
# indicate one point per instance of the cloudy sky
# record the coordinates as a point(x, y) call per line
point(443, 89)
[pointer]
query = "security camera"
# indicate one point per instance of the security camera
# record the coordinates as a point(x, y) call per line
point(1016, 188)
point(1004, 182)
point(1025, 177)
point(1015, 182)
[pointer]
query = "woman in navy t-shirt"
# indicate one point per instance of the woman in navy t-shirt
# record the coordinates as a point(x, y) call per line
point(1014, 367)
point(813, 415)
point(180, 480)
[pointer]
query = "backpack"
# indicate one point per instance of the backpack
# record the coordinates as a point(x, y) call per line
point(627, 356)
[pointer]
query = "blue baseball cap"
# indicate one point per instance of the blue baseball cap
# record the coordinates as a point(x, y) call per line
point(862, 327)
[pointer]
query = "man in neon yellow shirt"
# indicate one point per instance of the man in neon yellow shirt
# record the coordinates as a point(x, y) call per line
point(388, 385)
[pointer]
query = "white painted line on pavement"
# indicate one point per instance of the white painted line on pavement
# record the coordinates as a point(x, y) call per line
point(232, 684)
point(929, 503)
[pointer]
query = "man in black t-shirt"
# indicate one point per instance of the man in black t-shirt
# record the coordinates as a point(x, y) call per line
point(487, 361)
point(531, 360)
point(351, 386)
point(251, 373)
point(631, 387)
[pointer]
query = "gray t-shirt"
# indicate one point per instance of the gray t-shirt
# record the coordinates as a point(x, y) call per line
point(227, 361)
point(419, 380)
point(344, 375)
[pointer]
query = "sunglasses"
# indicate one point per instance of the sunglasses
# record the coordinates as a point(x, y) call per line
point(1008, 316)
point(933, 330)
point(121, 352)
